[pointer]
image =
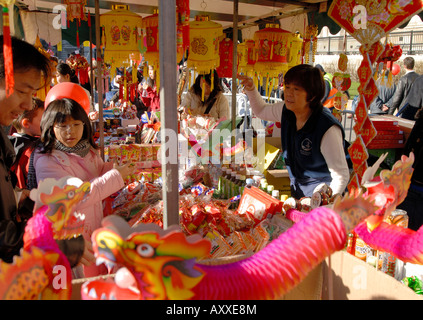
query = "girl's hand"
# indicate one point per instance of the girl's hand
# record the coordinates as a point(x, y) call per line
point(88, 257)
point(126, 170)
point(247, 82)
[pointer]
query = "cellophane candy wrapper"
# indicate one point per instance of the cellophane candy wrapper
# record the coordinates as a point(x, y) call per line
point(135, 197)
point(152, 213)
point(199, 126)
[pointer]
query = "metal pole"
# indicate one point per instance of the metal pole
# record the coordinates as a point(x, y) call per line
point(99, 77)
point(168, 114)
point(234, 67)
point(91, 61)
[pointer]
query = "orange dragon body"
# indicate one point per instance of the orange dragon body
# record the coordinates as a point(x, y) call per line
point(42, 271)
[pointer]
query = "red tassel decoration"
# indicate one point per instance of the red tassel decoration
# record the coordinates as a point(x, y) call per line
point(77, 37)
point(7, 53)
point(89, 19)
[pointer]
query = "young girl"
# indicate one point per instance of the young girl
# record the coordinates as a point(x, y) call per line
point(149, 94)
point(68, 149)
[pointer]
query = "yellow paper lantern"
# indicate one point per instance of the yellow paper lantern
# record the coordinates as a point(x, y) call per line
point(204, 44)
point(120, 35)
point(272, 51)
point(295, 50)
point(247, 59)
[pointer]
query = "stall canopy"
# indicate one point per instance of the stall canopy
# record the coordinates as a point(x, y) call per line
point(252, 15)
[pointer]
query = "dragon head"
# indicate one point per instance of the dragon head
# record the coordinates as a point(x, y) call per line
point(158, 264)
point(389, 189)
point(56, 199)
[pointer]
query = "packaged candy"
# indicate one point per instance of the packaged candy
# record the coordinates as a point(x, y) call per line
point(305, 204)
point(414, 283)
point(291, 203)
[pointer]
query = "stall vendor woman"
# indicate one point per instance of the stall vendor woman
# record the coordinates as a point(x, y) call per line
point(312, 138)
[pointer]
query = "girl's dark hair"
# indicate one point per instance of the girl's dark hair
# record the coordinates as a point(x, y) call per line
point(310, 79)
point(58, 111)
point(26, 57)
point(73, 249)
point(65, 69)
point(217, 87)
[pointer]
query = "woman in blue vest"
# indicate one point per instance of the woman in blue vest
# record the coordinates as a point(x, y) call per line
point(312, 138)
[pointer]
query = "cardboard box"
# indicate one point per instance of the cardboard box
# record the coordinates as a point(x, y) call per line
point(278, 178)
point(345, 277)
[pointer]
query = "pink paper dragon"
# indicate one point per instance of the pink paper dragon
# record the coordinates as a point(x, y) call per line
point(162, 264)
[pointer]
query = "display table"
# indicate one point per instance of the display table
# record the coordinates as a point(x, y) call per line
point(404, 124)
point(392, 134)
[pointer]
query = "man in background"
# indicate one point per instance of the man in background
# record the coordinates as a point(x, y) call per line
point(403, 86)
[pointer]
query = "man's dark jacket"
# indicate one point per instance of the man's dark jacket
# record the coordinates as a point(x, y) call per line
point(11, 230)
point(402, 90)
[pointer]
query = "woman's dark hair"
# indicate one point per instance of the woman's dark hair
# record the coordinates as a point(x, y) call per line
point(26, 57)
point(310, 79)
point(217, 86)
point(65, 69)
point(58, 111)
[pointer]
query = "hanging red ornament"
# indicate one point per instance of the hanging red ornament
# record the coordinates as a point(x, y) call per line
point(182, 40)
point(75, 9)
point(7, 53)
point(226, 62)
point(80, 65)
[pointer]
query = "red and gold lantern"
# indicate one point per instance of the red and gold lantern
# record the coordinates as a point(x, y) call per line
point(120, 35)
point(247, 59)
point(272, 45)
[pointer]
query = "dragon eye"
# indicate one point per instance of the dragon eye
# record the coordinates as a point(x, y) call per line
point(145, 250)
point(71, 194)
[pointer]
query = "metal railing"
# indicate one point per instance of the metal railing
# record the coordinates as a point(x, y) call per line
point(411, 43)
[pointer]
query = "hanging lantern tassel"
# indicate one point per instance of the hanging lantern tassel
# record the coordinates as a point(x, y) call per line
point(202, 89)
point(89, 19)
point(212, 80)
point(134, 73)
point(7, 53)
point(77, 36)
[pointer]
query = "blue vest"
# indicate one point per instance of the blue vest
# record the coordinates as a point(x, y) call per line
point(306, 165)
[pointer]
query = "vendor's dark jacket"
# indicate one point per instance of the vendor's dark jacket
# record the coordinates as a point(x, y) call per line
point(402, 91)
point(301, 150)
point(11, 230)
